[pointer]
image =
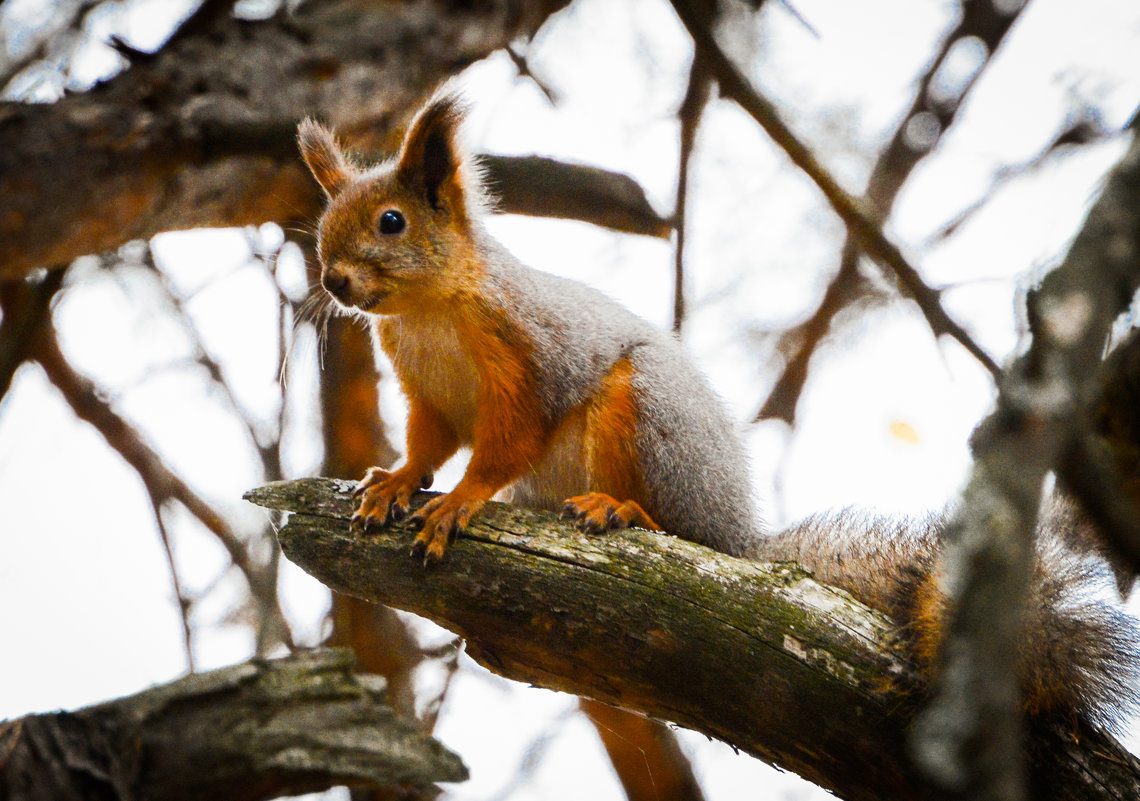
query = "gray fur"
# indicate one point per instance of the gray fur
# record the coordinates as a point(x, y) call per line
point(692, 462)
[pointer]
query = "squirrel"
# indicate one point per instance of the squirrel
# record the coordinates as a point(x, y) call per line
point(569, 402)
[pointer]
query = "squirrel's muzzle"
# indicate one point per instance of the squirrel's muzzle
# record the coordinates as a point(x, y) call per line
point(336, 283)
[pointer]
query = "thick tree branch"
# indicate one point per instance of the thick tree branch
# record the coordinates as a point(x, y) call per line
point(202, 133)
point(760, 656)
point(252, 731)
point(194, 136)
point(969, 736)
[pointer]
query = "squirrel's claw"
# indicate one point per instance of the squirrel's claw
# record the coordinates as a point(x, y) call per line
point(441, 520)
point(596, 512)
point(385, 497)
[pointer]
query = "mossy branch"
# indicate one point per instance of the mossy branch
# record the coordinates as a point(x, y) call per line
point(760, 656)
point(257, 730)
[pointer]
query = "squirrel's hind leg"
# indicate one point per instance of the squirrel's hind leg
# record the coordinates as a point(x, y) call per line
point(612, 460)
point(596, 512)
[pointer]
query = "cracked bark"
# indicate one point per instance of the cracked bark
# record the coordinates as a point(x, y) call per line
point(257, 730)
point(759, 656)
point(201, 133)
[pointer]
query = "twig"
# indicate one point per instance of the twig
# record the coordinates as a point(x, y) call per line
point(25, 307)
point(845, 287)
point(184, 603)
point(446, 655)
point(855, 213)
point(523, 66)
point(692, 107)
point(267, 452)
point(87, 403)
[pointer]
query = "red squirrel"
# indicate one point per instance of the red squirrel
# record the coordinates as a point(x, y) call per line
point(568, 401)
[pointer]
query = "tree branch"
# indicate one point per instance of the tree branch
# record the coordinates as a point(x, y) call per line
point(760, 656)
point(252, 731)
point(689, 116)
point(202, 133)
point(544, 187)
point(855, 213)
point(969, 736)
point(24, 306)
point(980, 20)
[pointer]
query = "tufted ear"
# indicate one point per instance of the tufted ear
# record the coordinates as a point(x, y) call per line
point(431, 158)
point(323, 155)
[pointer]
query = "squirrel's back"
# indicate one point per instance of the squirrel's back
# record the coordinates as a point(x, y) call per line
point(693, 466)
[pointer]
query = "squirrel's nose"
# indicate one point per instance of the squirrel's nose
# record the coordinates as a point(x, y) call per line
point(335, 282)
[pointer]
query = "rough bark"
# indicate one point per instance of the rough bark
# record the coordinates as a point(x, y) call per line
point(201, 133)
point(760, 656)
point(252, 731)
point(969, 738)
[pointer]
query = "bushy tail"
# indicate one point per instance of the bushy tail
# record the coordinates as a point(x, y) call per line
point(1080, 651)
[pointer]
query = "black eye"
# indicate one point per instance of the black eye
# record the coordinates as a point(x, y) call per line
point(392, 222)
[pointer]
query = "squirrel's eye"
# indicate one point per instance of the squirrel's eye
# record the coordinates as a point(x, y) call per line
point(392, 222)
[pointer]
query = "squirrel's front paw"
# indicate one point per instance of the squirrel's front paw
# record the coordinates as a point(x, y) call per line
point(385, 496)
point(442, 519)
point(596, 512)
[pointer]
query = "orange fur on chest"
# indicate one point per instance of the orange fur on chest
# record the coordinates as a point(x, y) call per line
point(468, 363)
point(473, 370)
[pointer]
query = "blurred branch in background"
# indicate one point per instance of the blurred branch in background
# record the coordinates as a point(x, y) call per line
point(855, 213)
point(981, 21)
point(542, 187)
point(689, 115)
point(162, 484)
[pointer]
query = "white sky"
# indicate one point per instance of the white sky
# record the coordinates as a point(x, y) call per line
point(883, 424)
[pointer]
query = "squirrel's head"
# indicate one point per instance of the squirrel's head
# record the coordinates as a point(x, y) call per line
point(397, 234)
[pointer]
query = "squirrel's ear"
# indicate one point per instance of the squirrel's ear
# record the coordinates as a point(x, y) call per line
point(431, 158)
point(323, 155)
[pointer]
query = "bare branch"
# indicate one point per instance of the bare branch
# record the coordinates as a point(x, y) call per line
point(689, 115)
point(544, 187)
point(163, 485)
point(184, 603)
point(859, 218)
